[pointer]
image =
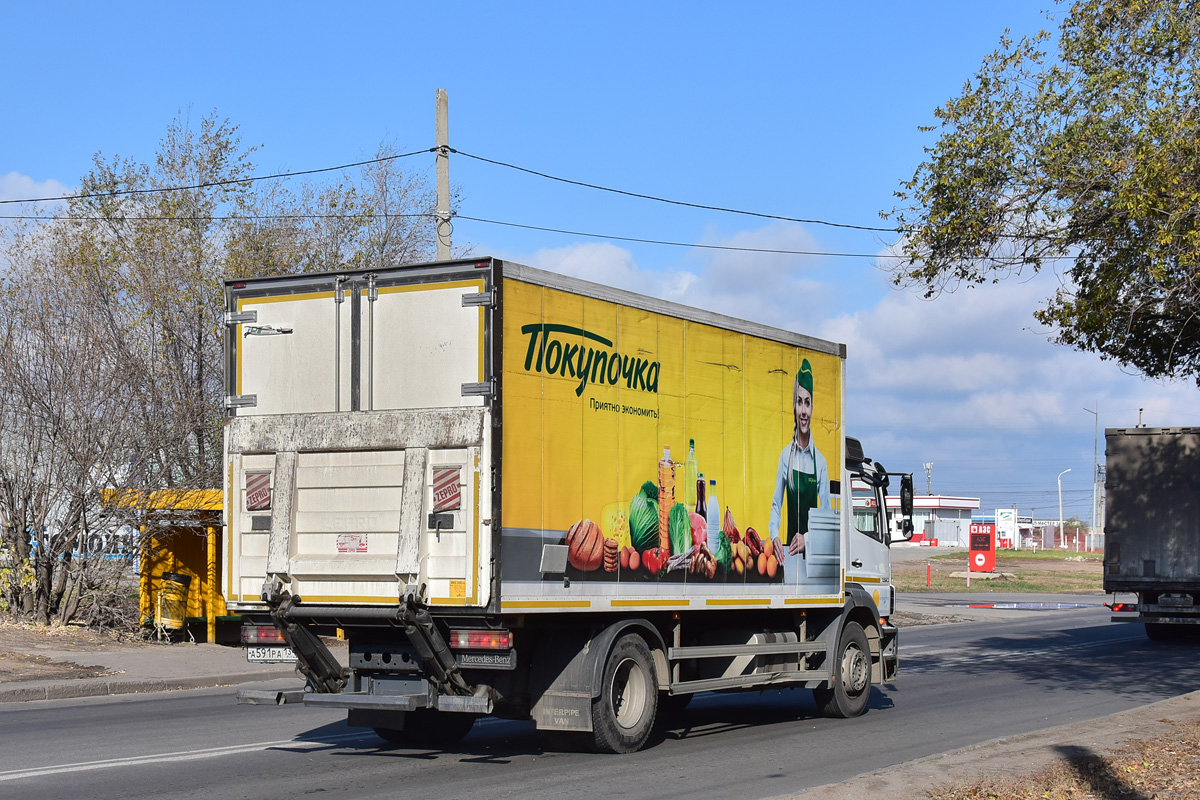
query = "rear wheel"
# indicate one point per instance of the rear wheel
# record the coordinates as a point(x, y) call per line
point(850, 686)
point(427, 728)
point(623, 714)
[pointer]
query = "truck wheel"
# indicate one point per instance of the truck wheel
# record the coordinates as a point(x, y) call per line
point(428, 728)
point(850, 687)
point(1162, 632)
point(623, 714)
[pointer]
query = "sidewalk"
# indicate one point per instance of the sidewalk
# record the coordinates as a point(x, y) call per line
point(143, 667)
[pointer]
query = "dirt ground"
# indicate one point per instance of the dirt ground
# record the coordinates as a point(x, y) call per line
point(29, 652)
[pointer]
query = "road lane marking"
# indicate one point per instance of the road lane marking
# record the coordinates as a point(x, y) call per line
point(182, 755)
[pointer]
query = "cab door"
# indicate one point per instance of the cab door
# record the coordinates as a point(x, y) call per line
point(869, 564)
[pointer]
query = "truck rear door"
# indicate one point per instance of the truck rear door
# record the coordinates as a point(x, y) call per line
point(358, 440)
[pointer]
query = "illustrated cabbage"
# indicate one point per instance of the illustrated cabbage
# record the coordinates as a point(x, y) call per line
point(643, 518)
point(724, 554)
point(679, 525)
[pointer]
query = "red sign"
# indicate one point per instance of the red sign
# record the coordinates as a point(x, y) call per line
point(258, 491)
point(447, 491)
point(982, 551)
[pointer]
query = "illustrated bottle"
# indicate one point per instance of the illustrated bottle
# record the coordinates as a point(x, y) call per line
point(701, 493)
point(690, 474)
point(666, 498)
point(713, 507)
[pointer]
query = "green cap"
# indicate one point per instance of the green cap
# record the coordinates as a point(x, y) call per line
point(804, 376)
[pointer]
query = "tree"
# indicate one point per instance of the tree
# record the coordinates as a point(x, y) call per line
point(111, 337)
point(1092, 158)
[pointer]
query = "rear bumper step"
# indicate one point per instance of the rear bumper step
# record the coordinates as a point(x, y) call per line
point(401, 702)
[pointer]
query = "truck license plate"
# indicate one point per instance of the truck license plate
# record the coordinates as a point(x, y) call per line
point(268, 654)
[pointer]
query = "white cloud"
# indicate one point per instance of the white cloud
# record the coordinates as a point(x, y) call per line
point(15, 186)
point(968, 380)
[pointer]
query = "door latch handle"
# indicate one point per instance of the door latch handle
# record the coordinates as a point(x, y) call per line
point(856, 563)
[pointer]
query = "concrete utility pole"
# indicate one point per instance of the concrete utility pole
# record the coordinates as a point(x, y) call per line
point(1061, 536)
point(444, 228)
point(928, 479)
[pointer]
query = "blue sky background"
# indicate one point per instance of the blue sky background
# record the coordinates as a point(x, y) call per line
point(797, 109)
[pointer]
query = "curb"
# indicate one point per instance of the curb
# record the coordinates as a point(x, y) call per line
point(93, 687)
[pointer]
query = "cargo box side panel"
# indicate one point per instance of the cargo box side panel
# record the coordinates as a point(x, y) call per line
point(594, 390)
point(1152, 525)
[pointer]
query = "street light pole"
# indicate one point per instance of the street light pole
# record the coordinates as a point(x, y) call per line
point(1061, 537)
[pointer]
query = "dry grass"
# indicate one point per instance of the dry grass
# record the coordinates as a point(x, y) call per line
point(1042, 572)
point(1166, 766)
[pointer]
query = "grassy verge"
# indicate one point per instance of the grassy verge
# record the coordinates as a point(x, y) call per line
point(1025, 571)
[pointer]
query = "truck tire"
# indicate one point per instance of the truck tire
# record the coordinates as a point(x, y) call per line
point(623, 714)
point(428, 728)
point(850, 687)
point(1163, 632)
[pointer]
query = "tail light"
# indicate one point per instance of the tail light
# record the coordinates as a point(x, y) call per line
point(262, 634)
point(1122, 606)
point(481, 640)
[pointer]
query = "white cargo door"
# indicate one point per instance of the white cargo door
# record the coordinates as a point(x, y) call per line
point(295, 358)
point(424, 346)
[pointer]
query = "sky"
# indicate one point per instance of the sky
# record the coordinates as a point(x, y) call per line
point(805, 110)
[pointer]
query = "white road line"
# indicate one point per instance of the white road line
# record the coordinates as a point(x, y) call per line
point(183, 755)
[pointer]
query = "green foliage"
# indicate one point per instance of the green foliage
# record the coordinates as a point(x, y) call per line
point(1092, 157)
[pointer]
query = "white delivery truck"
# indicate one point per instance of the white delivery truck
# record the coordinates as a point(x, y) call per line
point(525, 495)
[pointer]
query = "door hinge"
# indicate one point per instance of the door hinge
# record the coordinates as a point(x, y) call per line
point(240, 317)
point(241, 401)
point(484, 299)
point(485, 389)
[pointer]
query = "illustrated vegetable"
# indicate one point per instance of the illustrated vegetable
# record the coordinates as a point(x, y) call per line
point(680, 527)
point(585, 546)
point(724, 554)
point(699, 530)
point(654, 558)
point(729, 529)
point(643, 518)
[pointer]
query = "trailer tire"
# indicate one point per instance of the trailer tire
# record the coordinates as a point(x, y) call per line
point(427, 728)
point(850, 686)
point(623, 714)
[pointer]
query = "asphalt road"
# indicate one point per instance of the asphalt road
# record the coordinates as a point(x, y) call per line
point(960, 684)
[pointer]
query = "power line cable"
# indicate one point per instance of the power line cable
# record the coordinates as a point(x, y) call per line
point(211, 184)
point(672, 244)
point(676, 202)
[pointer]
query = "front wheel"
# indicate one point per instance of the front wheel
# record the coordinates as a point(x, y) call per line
point(623, 714)
point(850, 687)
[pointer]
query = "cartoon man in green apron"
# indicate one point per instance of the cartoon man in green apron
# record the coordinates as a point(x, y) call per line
point(802, 481)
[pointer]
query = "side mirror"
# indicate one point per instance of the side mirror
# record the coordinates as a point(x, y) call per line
point(906, 495)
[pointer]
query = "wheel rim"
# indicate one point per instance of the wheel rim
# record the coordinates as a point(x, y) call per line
point(855, 670)
point(628, 693)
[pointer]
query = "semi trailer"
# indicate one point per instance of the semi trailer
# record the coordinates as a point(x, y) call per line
point(1152, 527)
